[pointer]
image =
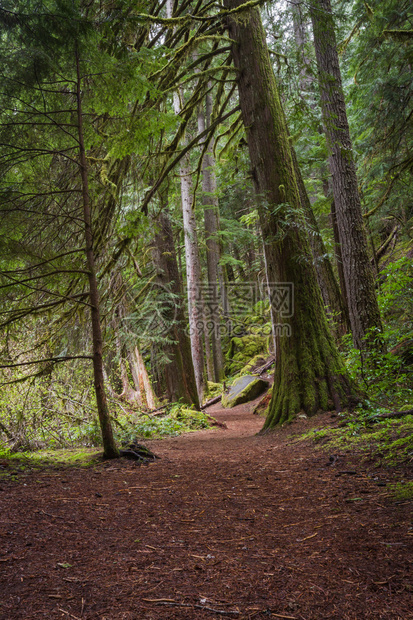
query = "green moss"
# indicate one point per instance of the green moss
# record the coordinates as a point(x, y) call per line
point(403, 490)
point(41, 459)
point(257, 360)
point(242, 350)
point(391, 441)
point(214, 389)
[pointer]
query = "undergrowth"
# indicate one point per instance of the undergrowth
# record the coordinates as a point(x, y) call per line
point(177, 420)
point(390, 441)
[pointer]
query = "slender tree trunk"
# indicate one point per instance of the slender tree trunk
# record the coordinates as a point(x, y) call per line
point(309, 374)
point(110, 449)
point(178, 372)
point(358, 275)
point(130, 395)
point(193, 277)
point(337, 251)
point(193, 265)
point(213, 249)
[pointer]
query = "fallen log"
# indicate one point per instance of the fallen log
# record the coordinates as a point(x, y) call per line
point(262, 369)
point(212, 401)
point(392, 415)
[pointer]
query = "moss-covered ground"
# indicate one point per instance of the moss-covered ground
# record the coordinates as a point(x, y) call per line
point(387, 442)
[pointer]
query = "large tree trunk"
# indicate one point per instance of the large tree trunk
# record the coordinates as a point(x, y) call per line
point(358, 274)
point(110, 449)
point(309, 374)
point(178, 372)
point(213, 249)
point(330, 291)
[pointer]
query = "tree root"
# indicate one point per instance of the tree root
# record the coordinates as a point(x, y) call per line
point(137, 452)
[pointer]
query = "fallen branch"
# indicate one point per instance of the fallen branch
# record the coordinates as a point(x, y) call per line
point(262, 369)
point(212, 401)
point(220, 612)
point(392, 415)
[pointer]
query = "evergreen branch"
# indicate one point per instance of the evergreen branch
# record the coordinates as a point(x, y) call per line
point(171, 22)
point(208, 131)
point(49, 359)
point(398, 35)
point(23, 312)
point(45, 262)
point(16, 282)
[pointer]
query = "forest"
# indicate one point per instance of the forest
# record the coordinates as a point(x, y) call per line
point(188, 188)
point(206, 228)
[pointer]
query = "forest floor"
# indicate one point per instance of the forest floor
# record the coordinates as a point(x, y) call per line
point(226, 524)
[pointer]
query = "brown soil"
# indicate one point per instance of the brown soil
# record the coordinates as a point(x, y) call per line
point(226, 524)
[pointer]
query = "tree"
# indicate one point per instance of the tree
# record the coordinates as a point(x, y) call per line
point(358, 275)
point(211, 223)
point(309, 374)
point(178, 369)
point(47, 124)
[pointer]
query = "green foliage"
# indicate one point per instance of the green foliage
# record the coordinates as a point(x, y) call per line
point(396, 298)
point(388, 440)
point(387, 377)
point(177, 420)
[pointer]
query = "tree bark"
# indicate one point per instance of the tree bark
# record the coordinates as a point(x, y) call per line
point(330, 291)
point(193, 277)
point(178, 372)
point(144, 382)
point(110, 449)
point(193, 265)
point(358, 274)
point(213, 249)
point(309, 373)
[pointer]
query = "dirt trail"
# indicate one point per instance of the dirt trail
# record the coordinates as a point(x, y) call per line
point(225, 525)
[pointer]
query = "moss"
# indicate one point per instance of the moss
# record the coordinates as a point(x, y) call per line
point(43, 459)
point(403, 490)
point(262, 408)
point(214, 389)
point(243, 350)
point(391, 441)
point(256, 361)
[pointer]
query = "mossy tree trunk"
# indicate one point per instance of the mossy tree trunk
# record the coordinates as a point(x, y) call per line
point(330, 290)
point(310, 375)
point(358, 274)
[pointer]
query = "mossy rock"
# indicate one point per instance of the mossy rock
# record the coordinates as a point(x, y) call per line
point(243, 349)
point(256, 362)
point(214, 389)
point(244, 389)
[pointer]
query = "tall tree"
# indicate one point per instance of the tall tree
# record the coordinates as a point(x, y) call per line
point(193, 264)
point(358, 275)
point(213, 249)
point(47, 125)
point(309, 373)
point(178, 369)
